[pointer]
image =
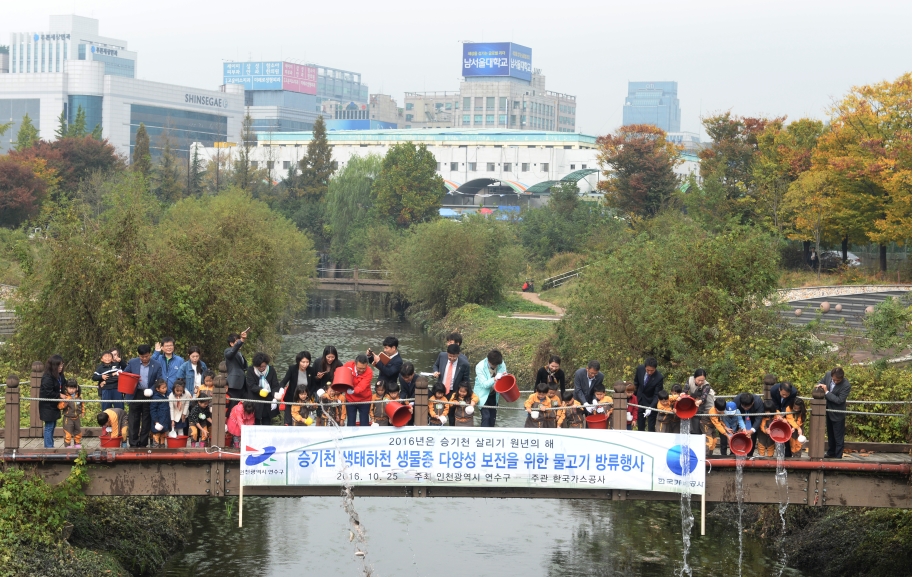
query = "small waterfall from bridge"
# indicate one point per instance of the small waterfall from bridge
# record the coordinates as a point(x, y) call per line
point(783, 493)
point(687, 515)
point(739, 468)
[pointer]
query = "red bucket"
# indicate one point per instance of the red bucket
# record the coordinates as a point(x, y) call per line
point(685, 407)
point(740, 444)
point(780, 431)
point(398, 414)
point(126, 383)
point(109, 442)
point(229, 439)
point(342, 380)
point(179, 442)
point(597, 421)
point(506, 386)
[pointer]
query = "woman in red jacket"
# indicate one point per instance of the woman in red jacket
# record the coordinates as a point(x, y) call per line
point(360, 391)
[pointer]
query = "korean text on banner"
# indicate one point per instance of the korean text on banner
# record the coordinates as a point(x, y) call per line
point(283, 456)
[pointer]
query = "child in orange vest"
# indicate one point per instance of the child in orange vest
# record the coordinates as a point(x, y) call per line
point(438, 406)
point(796, 419)
point(467, 401)
point(301, 414)
point(73, 411)
point(570, 417)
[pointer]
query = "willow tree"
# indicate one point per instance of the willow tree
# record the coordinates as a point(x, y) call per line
point(350, 199)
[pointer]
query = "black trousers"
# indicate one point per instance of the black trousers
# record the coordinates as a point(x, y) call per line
point(140, 422)
point(490, 414)
point(835, 433)
point(648, 422)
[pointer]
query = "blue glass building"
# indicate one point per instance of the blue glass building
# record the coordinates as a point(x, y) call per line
point(653, 103)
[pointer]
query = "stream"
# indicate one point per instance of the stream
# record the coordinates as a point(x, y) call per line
point(286, 537)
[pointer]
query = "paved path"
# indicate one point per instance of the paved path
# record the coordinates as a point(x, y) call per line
point(534, 298)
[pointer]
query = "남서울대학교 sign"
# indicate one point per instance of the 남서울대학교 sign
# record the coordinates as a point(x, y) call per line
point(478, 457)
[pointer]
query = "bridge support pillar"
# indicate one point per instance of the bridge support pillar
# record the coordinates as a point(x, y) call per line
point(11, 430)
point(36, 427)
point(620, 406)
point(420, 409)
point(818, 425)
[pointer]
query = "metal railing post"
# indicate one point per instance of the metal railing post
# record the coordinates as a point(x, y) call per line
point(818, 428)
point(36, 427)
point(11, 430)
point(219, 388)
point(620, 406)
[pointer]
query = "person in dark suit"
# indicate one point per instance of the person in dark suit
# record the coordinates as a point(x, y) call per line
point(836, 390)
point(140, 416)
point(236, 365)
point(454, 374)
point(389, 371)
point(52, 383)
point(751, 404)
point(441, 361)
point(301, 373)
point(552, 373)
point(649, 382)
point(407, 385)
point(585, 380)
point(262, 377)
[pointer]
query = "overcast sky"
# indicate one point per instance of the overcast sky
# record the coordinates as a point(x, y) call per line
point(755, 58)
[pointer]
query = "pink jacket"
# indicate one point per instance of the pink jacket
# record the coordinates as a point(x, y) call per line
point(237, 418)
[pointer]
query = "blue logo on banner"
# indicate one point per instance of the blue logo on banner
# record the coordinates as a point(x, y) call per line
point(674, 460)
point(254, 460)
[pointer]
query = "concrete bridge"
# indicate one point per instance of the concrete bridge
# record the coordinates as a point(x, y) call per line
point(880, 478)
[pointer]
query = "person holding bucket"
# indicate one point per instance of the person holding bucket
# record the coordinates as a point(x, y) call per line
point(359, 392)
point(106, 376)
point(585, 380)
point(489, 370)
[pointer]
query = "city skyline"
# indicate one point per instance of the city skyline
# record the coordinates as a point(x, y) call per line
point(762, 59)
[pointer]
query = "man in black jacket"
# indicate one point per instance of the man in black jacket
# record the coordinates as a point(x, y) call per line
point(648, 381)
point(836, 390)
point(585, 380)
point(752, 404)
point(236, 365)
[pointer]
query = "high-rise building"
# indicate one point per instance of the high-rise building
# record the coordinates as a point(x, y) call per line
point(70, 67)
point(500, 89)
point(653, 103)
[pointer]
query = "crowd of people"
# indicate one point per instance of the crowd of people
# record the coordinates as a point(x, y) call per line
point(173, 397)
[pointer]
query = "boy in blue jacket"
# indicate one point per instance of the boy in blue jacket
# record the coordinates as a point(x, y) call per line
point(161, 416)
point(732, 419)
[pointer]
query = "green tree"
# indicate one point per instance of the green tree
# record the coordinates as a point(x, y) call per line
point(4, 127)
point(888, 326)
point(27, 136)
point(78, 126)
point(195, 174)
point(442, 265)
point(809, 202)
point(142, 158)
point(167, 180)
point(61, 131)
point(639, 168)
point(350, 202)
point(243, 173)
point(409, 189)
point(317, 166)
point(96, 132)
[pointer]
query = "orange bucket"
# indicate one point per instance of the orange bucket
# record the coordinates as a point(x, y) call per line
point(506, 386)
point(780, 431)
point(342, 380)
point(597, 421)
point(740, 444)
point(398, 414)
point(109, 442)
point(179, 442)
point(685, 407)
point(126, 383)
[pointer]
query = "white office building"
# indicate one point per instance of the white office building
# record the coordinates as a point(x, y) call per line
point(71, 67)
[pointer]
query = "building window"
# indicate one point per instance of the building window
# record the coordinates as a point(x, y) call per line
point(269, 164)
point(253, 164)
point(465, 120)
point(489, 119)
point(286, 164)
point(454, 166)
point(477, 119)
point(409, 105)
point(583, 166)
point(467, 103)
point(490, 102)
point(544, 167)
point(472, 167)
point(502, 119)
point(502, 103)
point(438, 166)
point(523, 119)
point(573, 166)
point(507, 167)
point(490, 167)
point(478, 102)
point(408, 118)
point(449, 106)
point(524, 167)
point(513, 119)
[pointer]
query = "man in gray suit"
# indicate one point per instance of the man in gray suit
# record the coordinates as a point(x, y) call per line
point(236, 365)
point(585, 380)
point(836, 390)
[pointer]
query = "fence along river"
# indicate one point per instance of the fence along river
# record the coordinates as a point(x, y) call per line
point(443, 537)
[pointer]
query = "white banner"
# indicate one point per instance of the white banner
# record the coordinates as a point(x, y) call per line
point(478, 457)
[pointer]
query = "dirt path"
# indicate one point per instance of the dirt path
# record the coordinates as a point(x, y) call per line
point(534, 298)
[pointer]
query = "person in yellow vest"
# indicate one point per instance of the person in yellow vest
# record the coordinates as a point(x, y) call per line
point(766, 445)
point(301, 414)
point(465, 406)
point(536, 401)
point(73, 411)
point(333, 405)
point(718, 434)
point(438, 406)
point(796, 416)
point(114, 422)
point(571, 416)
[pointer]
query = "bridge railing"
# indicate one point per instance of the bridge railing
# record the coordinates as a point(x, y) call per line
point(560, 279)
